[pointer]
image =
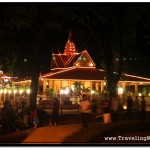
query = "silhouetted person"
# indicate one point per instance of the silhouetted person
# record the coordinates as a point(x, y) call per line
point(143, 108)
point(10, 115)
point(136, 103)
point(40, 101)
point(114, 107)
point(129, 106)
point(55, 112)
point(94, 110)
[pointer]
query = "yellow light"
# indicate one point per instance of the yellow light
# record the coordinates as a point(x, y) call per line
point(120, 90)
point(28, 91)
point(140, 94)
point(66, 91)
point(1, 91)
point(5, 91)
point(92, 92)
point(61, 91)
point(15, 91)
point(20, 91)
point(90, 64)
point(9, 91)
point(124, 106)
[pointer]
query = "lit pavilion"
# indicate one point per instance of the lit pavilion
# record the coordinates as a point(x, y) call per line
point(72, 66)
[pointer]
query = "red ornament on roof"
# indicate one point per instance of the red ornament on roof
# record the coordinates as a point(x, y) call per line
point(70, 47)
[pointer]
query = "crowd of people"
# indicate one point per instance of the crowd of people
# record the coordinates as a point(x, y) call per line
point(88, 111)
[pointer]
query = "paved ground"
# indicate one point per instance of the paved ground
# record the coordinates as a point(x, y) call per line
point(50, 134)
point(40, 135)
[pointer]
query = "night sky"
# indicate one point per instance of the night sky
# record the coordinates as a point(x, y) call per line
point(132, 20)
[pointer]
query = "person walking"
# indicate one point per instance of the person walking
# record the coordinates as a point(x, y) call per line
point(85, 108)
point(55, 112)
point(143, 108)
point(34, 117)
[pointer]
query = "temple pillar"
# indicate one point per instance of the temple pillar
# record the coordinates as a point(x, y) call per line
point(69, 84)
point(136, 88)
point(44, 85)
point(91, 85)
point(60, 83)
point(102, 86)
point(123, 85)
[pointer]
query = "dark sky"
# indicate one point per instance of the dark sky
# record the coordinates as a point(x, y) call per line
point(19, 34)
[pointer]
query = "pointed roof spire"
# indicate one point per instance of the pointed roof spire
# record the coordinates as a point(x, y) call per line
point(70, 37)
point(70, 47)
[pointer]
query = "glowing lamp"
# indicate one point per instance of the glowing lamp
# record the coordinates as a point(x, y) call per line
point(28, 91)
point(9, 91)
point(92, 92)
point(125, 107)
point(20, 91)
point(90, 64)
point(120, 90)
point(140, 94)
point(5, 91)
point(15, 91)
point(66, 91)
point(61, 91)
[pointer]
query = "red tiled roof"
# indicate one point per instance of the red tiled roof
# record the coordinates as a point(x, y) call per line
point(74, 59)
point(87, 73)
point(78, 74)
point(127, 77)
point(58, 60)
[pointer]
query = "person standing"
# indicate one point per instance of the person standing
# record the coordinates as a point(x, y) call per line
point(129, 106)
point(114, 107)
point(85, 108)
point(94, 110)
point(55, 112)
point(143, 106)
point(106, 109)
point(34, 117)
point(136, 103)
